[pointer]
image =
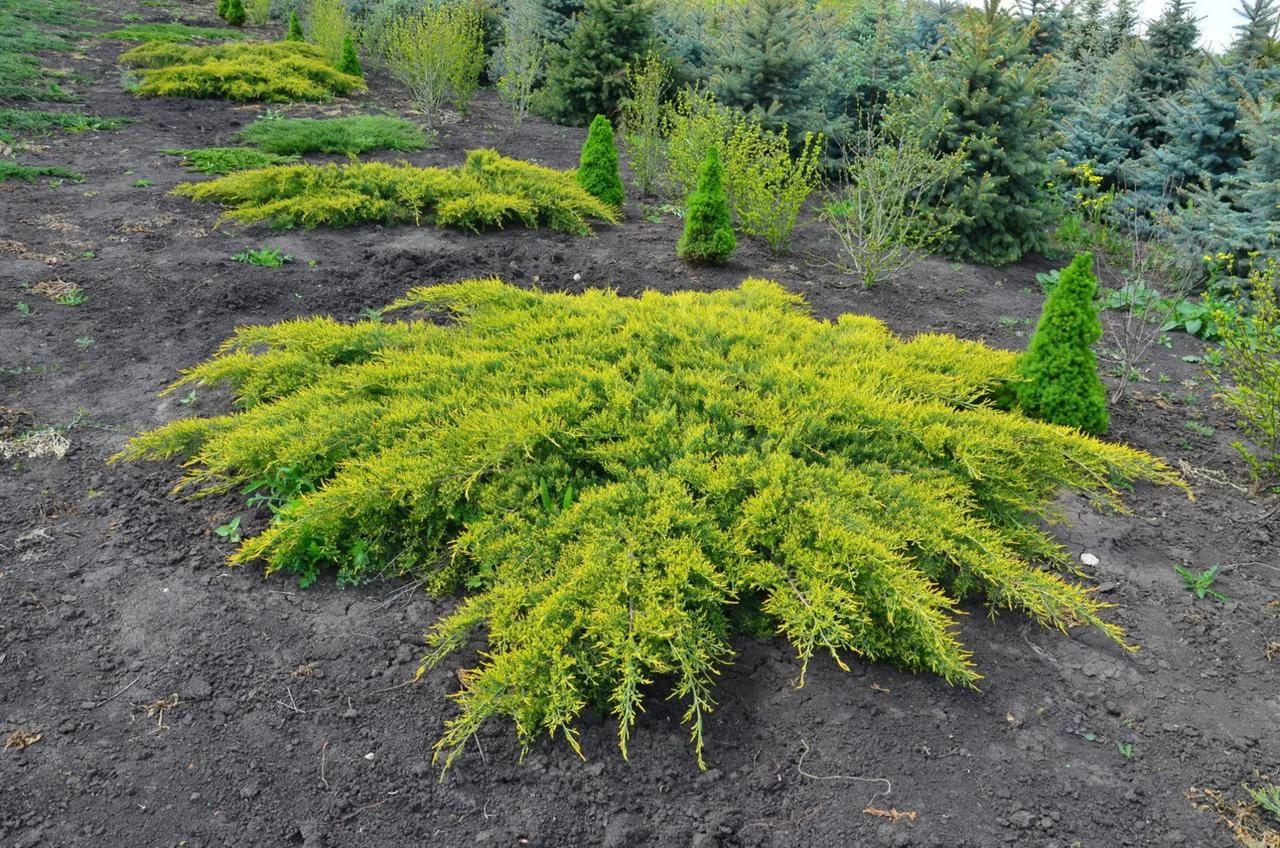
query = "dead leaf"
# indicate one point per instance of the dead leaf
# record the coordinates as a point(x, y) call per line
point(891, 814)
point(20, 739)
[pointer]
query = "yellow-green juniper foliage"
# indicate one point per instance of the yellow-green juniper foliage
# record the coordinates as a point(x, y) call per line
point(272, 71)
point(613, 477)
point(487, 191)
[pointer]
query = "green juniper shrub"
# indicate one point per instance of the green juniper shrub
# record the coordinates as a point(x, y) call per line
point(349, 62)
point(224, 160)
point(172, 32)
point(277, 72)
point(29, 173)
point(598, 164)
point(487, 191)
point(1059, 370)
point(295, 27)
point(41, 121)
point(609, 477)
point(235, 12)
point(708, 230)
point(350, 136)
point(223, 7)
point(27, 29)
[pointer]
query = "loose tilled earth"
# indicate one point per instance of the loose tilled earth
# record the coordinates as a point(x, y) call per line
point(178, 702)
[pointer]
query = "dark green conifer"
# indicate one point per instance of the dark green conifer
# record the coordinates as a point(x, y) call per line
point(222, 8)
point(235, 12)
point(598, 164)
point(1059, 370)
point(764, 64)
point(349, 62)
point(986, 99)
point(708, 230)
point(586, 76)
point(295, 28)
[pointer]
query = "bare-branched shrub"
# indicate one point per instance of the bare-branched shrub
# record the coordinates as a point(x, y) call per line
point(518, 62)
point(327, 26)
point(1249, 378)
point(883, 210)
point(647, 82)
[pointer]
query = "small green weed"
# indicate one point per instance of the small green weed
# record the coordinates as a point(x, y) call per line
point(1200, 583)
point(1267, 797)
point(1126, 749)
point(1200, 429)
point(84, 342)
point(143, 183)
point(230, 531)
point(266, 257)
point(75, 297)
point(24, 309)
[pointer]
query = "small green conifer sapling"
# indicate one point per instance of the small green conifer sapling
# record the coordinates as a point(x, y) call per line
point(598, 166)
point(708, 229)
point(1059, 370)
point(295, 28)
point(349, 62)
point(235, 12)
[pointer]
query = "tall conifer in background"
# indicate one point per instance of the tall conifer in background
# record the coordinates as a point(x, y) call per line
point(587, 75)
point(764, 65)
point(986, 97)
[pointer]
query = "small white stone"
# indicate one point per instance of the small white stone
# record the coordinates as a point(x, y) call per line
point(369, 756)
point(577, 278)
point(1089, 559)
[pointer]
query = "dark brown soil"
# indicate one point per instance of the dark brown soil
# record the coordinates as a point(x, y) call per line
point(182, 703)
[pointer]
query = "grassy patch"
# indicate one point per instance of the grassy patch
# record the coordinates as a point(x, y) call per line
point(276, 72)
point(623, 483)
point(172, 33)
point(350, 136)
point(41, 121)
point(488, 191)
point(26, 28)
point(224, 160)
point(30, 173)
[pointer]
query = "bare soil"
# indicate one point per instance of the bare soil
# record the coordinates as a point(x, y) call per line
point(178, 702)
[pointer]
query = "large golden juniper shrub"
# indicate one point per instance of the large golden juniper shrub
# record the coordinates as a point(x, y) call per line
point(272, 71)
point(487, 191)
point(612, 478)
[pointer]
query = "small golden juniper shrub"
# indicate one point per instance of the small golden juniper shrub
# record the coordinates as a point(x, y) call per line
point(609, 478)
point(487, 191)
point(272, 71)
